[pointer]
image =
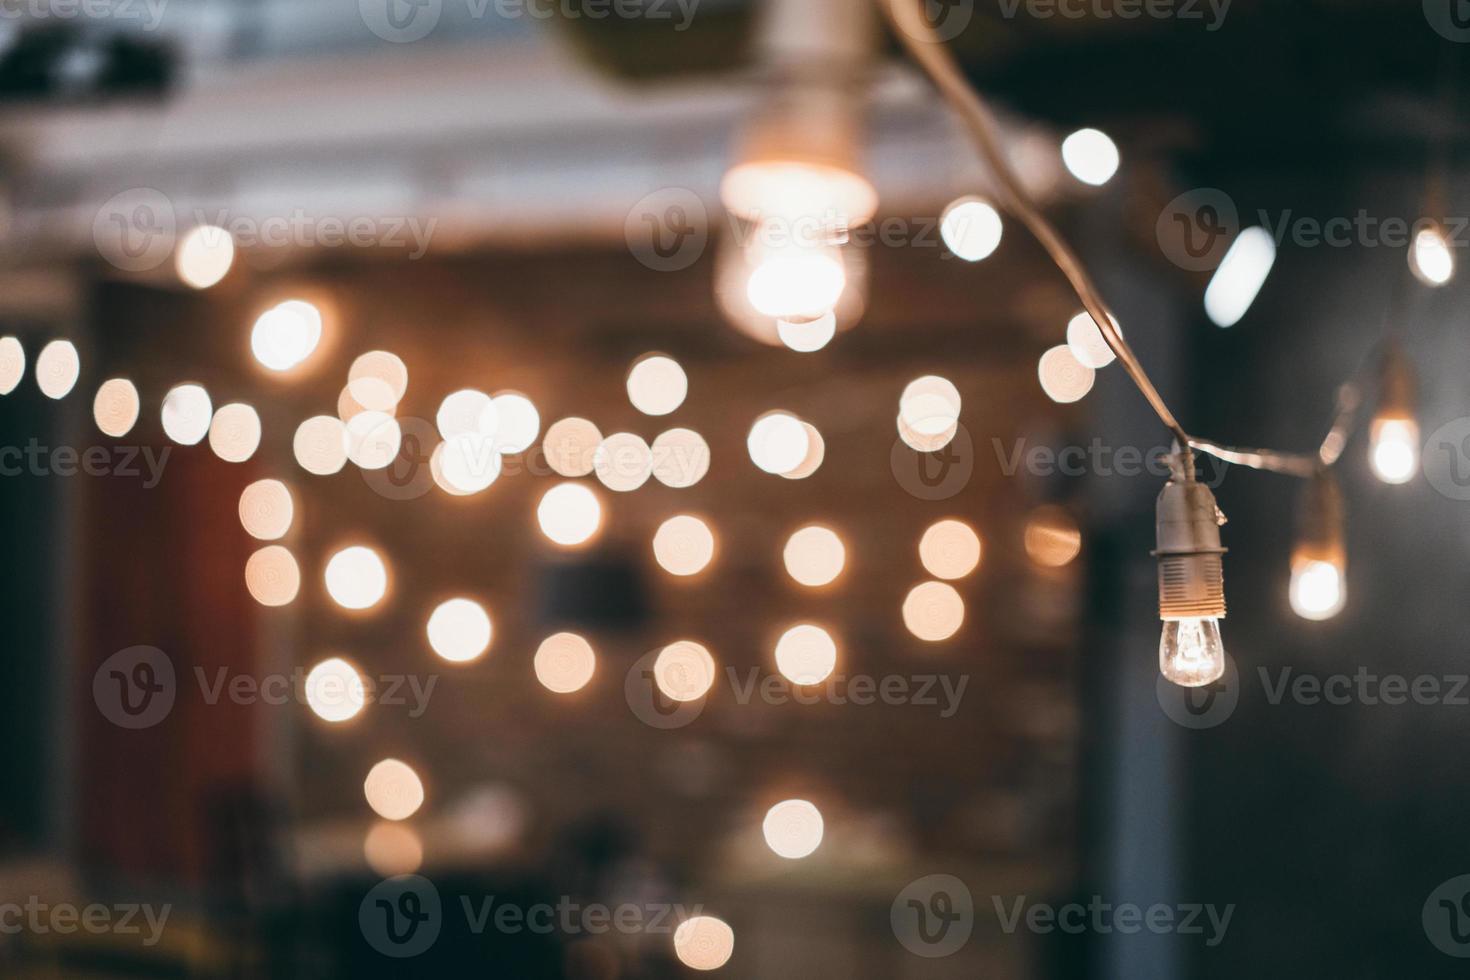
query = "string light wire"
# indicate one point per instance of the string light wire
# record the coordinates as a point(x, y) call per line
point(930, 52)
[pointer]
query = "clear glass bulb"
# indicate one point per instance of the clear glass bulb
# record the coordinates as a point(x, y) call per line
point(797, 281)
point(1394, 449)
point(1317, 590)
point(1191, 653)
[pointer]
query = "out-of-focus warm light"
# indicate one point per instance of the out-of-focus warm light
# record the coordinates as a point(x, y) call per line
point(680, 458)
point(115, 409)
point(933, 611)
point(806, 654)
point(234, 434)
point(570, 445)
point(391, 849)
point(1091, 156)
point(1087, 343)
point(684, 671)
point(1394, 449)
point(569, 514)
point(807, 335)
point(1241, 275)
point(393, 790)
point(57, 369)
point(815, 454)
point(465, 412)
point(929, 406)
point(467, 464)
point(348, 407)
point(793, 191)
point(815, 556)
point(12, 364)
point(266, 510)
point(1317, 590)
point(1064, 378)
point(704, 943)
point(204, 256)
point(320, 445)
point(684, 545)
point(657, 385)
point(778, 442)
point(796, 281)
point(335, 691)
point(950, 549)
point(921, 443)
point(1430, 257)
point(377, 381)
point(373, 440)
point(793, 829)
point(356, 577)
point(1052, 537)
point(565, 663)
point(272, 576)
point(286, 335)
point(971, 228)
point(517, 423)
point(186, 414)
point(459, 630)
point(624, 462)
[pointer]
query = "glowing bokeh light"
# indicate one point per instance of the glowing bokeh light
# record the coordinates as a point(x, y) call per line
point(467, 464)
point(704, 943)
point(657, 385)
point(680, 458)
point(234, 433)
point(569, 514)
point(565, 663)
point(806, 654)
point(116, 407)
point(12, 364)
point(378, 380)
point(1087, 343)
point(796, 282)
point(57, 369)
point(815, 455)
point(1052, 537)
point(808, 336)
point(459, 630)
point(950, 549)
point(335, 691)
point(1393, 449)
point(684, 545)
point(187, 413)
point(392, 849)
point(933, 611)
point(570, 446)
point(929, 406)
point(356, 577)
point(465, 412)
point(793, 829)
point(815, 556)
point(684, 671)
point(778, 442)
point(272, 576)
point(971, 228)
point(1064, 378)
point(204, 256)
point(320, 445)
point(1242, 273)
point(623, 462)
point(393, 790)
point(266, 510)
point(1317, 590)
point(518, 423)
point(286, 335)
point(1430, 257)
point(373, 440)
point(1091, 156)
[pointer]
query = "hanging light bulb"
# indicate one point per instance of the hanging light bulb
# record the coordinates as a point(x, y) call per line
point(1430, 257)
point(1191, 579)
point(797, 282)
point(1319, 560)
point(1393, 445)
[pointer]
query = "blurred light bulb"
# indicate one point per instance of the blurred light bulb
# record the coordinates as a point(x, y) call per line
point(1191, 653)
point(204, 256)
point(1394, 449)
point(971, 228)
point(286, 335)
point(1317, 590)
point(796, 281)
point(806, 336)
point(1091, 156)
point(792, 191)
point(793, 829)
point(1430, 258)
point(1241, 275)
